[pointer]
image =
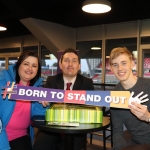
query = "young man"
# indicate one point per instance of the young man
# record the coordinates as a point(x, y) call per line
point(135, 119)
point(70, 65)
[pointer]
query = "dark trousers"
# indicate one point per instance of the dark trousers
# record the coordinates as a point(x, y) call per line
point(55, 141)
point(22, 143)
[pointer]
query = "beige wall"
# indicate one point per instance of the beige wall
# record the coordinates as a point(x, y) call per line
point(54, 36)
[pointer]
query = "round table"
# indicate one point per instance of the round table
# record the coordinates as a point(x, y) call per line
point(83, 128)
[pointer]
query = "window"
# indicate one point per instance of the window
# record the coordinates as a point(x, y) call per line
point(130, 44)
point(91, 62)
point(48, 63)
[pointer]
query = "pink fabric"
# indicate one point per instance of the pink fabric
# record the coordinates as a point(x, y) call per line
point(20, 120)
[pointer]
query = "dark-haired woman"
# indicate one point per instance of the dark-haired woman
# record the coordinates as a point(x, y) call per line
point(15, 114)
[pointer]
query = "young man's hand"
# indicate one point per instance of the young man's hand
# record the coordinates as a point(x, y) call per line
point(136, 108)
point(140, 111)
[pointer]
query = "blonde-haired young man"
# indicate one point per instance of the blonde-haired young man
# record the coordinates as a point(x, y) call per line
point(136, 119)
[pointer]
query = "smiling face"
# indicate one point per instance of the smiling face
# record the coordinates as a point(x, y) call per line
point(122, 66)
point(70, 65)
point(28, 69)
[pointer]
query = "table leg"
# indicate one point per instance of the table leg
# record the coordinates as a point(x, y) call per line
point(85, 141)
point(70, 141)
point(104, 139)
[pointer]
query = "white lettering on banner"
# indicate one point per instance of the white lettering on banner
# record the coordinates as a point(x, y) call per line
point(28, 92)
point(114, 99)
point(70, 96)
point(53, 94)
point(123, 99)
point(97, 98)
point(89, 97)
point(108, 99)
point(82, 97)
point(76, 96)
point(43, 94)
point(35, 93)
point(21, 92)
point(60, 95)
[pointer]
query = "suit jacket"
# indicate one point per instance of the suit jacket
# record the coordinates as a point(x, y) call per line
point(81, 82)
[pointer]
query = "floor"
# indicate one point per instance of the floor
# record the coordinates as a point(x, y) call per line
point(97, 144)
point(94, 147)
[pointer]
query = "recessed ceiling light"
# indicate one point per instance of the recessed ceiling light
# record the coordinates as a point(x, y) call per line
point(95, 48)
point(2, 28)
point(96, 6)
point(47, 56)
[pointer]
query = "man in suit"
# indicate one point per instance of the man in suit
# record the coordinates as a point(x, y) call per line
point(69, 79)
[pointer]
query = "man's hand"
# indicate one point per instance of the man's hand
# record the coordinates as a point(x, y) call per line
point(140, 111)
point(44, 103)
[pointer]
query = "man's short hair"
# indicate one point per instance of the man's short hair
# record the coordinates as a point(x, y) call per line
point(69, 50)
point(119, 51)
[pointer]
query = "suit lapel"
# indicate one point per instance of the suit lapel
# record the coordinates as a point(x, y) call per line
point(60, 83)
point(77, 84)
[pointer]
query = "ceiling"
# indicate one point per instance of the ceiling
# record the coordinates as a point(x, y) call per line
point(67, 12)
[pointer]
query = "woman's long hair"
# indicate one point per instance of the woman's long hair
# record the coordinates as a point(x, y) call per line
point(22, 57)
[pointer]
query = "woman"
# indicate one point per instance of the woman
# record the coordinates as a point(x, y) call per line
point(15, 115)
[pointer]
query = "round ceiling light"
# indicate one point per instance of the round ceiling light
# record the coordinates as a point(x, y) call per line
point(95, 48)
point(96, 6)
point(2, 28)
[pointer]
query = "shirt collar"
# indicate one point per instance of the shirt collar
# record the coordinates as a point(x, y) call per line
point(66, 81)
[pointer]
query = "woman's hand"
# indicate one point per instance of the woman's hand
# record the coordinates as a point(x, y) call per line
point(140, 111)
point(44, 103)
